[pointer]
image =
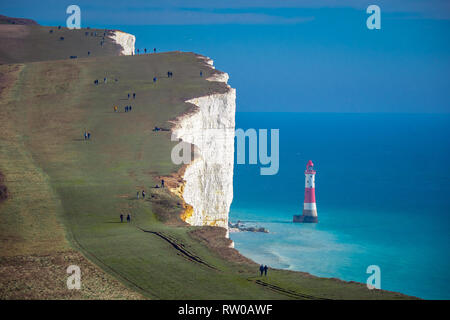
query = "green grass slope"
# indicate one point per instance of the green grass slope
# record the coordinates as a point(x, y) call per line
point(65, 187)
point(28, 43)
point(34, 252)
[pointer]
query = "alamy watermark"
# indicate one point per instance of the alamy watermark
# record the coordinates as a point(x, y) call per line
point(74, 280)
point(374, 280)
point(273, 161)
point(258, 147)
point(74, 20)
point(374, 20)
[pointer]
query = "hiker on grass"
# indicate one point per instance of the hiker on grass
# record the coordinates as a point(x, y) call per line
point(89, 135)
point(134, 95)
point(162, 183)
point(129, 108)
point(265, 270)
point(128, 218)
point(128, 96)
point(121, 217)
point(85, 135)
point(261, 270)
point(115, 108)
point(104, 80)
point(201, 74)
point(126, 109)
point(143, 194)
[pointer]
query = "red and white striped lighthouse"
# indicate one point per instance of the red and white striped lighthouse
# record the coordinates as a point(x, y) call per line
point(309, 206)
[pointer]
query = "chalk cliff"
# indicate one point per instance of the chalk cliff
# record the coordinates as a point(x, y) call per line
point(208, 188)
point(125, 40)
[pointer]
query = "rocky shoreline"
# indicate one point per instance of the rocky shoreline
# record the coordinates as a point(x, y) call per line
point(239, 226)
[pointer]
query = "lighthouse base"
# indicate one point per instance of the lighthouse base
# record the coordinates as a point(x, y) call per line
point(305, 219)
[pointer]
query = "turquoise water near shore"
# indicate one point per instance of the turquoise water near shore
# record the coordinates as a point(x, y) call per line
point(383, 198)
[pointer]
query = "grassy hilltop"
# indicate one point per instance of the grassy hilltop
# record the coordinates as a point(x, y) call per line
point(65, 194)
point(25, 43)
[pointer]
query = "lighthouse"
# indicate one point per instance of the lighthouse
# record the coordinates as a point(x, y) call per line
point(309, 206)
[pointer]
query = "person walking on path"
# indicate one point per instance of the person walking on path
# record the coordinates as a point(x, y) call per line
point(128, 218)
point(121, 217)
point(89, 136)
point(128, 96)
point(261, 270)
point(265, 270)
point(85, 134)
point(143, 194)
point(129, 108)
point(115, 108)
point(134, 95)
point(162, 183)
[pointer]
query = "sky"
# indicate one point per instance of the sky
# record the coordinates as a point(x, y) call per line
point(292, 55)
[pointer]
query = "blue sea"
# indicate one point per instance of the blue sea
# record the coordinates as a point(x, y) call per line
point(382, 191)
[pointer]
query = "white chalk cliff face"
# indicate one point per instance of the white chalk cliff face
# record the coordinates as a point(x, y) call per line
point(208, 178)
point(125, 40)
